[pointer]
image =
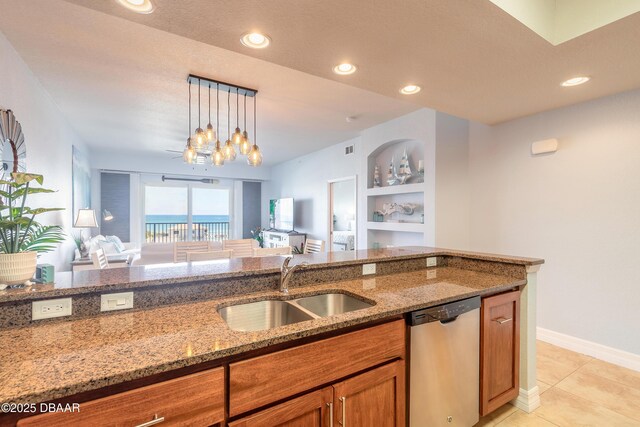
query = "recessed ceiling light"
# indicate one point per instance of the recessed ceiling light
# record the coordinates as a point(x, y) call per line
point(344, 69)
point(575, 81)
point(139, 6)
point(255, 40)
point(410, 90)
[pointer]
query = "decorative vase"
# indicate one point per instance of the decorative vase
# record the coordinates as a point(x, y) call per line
point(16, 269)
point(376, 177)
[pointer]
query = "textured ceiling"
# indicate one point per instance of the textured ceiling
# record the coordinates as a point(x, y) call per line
point(471, 58)
point(123, 87)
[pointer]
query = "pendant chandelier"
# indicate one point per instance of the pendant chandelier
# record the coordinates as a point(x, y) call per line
point(205, 143)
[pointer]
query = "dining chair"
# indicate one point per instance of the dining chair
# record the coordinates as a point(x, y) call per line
point(208, 255)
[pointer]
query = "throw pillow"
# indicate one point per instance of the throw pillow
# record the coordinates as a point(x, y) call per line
point(116, 241)
point(108, 248)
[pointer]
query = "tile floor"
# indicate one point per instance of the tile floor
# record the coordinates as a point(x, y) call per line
point(576, 390)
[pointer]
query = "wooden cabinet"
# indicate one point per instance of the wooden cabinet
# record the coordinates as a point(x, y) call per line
point(259, 381)
point(311, 410)
point(192, 400)
point(499, 350)
point(375, 398)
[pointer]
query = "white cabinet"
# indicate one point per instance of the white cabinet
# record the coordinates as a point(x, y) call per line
point(278, 239)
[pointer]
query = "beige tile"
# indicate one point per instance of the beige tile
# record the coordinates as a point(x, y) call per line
point(565, 409)
point(618, 397)
point(555, 363)
point(613, 372)
point(542, 386)
point(522, 419)
point(497, 416)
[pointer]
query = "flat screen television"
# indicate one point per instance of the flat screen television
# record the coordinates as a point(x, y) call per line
point(281, 214)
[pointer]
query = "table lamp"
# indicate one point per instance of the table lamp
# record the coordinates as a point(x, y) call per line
point(86, 219)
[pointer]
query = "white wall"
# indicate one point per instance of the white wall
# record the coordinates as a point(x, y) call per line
point(49, 139)
point(452, 211)
point(306, 180)
point(578, 208)
point(441, 140)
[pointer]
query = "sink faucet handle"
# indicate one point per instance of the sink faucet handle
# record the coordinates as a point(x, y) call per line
point(285, 263)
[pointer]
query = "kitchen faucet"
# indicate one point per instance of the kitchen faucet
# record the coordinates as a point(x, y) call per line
point(286, 272)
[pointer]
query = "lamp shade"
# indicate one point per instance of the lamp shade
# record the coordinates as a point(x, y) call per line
point(86, 219)
point(106, 215)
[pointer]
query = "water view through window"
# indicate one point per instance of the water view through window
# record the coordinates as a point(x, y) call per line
point(171, 215)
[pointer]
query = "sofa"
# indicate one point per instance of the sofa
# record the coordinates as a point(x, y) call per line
point(113, 247)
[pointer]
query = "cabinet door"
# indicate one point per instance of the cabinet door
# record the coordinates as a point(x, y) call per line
point(311, 410)
point(499, 350)
point(375, 398)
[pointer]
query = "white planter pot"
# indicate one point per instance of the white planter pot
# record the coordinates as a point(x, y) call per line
point(17, 268)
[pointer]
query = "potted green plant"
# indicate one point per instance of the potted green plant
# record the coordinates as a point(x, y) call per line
point(22, 238)
point(256, 234)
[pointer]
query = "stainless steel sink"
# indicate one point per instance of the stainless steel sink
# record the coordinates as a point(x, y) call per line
point(261, 315)
point(325, 305)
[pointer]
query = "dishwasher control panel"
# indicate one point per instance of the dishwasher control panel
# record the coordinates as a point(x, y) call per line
point(444, 312)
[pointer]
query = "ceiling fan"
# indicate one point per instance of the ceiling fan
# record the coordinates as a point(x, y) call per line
point(199, 160)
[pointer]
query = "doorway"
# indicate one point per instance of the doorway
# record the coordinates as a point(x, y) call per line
point(343, 226)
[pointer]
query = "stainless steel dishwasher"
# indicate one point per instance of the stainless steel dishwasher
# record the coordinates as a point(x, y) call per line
point(445, 365)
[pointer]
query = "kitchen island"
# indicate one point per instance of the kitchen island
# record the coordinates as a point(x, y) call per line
point(177, 331)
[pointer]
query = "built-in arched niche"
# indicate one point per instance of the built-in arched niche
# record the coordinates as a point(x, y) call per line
point(383, 155)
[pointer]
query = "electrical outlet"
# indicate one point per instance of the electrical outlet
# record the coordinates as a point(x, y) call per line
point(432, 261)
point(368, 269)
point(119, 301)
point(47, 309)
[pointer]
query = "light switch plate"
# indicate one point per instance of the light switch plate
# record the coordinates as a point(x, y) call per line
point(119, 301)
point(50, 308)
point(368, 269)
point(432, 261)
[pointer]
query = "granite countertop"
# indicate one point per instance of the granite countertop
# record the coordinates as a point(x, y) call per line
point(73, 283)
point(50, 361)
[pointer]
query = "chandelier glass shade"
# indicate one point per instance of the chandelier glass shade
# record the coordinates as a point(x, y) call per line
point(245, 145)
point(217, 157)
point(189, 154)
point(254, 158)
point(204, 143)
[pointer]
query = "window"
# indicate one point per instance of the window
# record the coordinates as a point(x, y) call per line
point(210, 213)
point(186, 213)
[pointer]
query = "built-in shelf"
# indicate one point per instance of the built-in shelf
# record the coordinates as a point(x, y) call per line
point(396, 189)
point(409, 227)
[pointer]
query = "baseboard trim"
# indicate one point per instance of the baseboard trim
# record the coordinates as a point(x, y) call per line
point(599, 351)
point(527, 400)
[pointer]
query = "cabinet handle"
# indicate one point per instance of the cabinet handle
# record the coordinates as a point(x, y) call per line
point(344, 411)
point(330, 405)
point(502, 320)
point(156, 420)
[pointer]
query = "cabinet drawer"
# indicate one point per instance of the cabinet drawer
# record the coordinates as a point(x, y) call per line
point(257, 382)
point(193, 400)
